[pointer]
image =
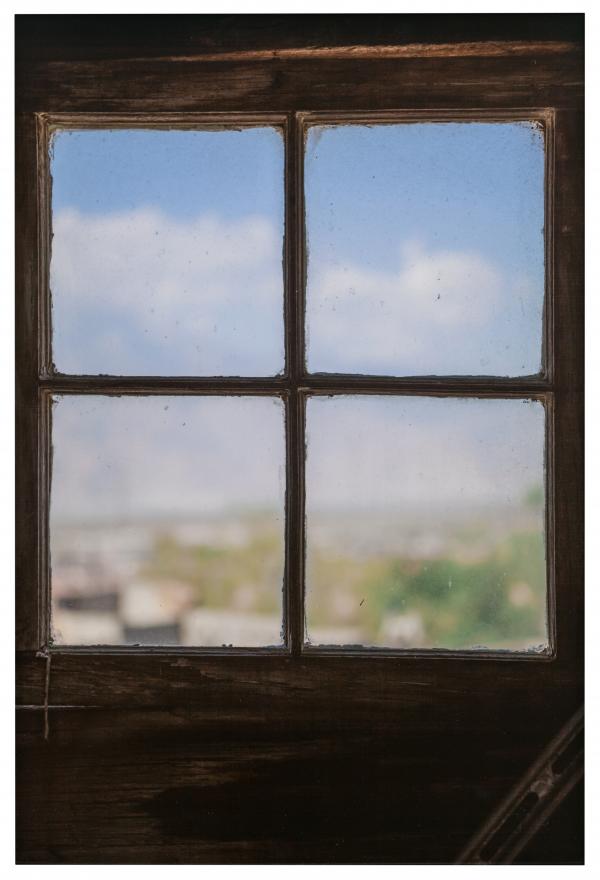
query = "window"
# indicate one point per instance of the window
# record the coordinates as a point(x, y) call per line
point(367, 703)
point(167, 512)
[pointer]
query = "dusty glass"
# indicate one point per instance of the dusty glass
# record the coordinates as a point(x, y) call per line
point(167, 252)
point(425, 248)
point(425, 523)
point(166, 520)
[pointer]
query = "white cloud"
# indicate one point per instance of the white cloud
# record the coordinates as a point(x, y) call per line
point(130, 456)
point(440, 311)
point(142, 292)
point(148, 247)
point(373, 453)
point(115, 457)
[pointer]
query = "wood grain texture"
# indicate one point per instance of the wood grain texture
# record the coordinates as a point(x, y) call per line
point(76, 37)
point(347, 686)
point(30, 679)
point(568, 344)
point(329, 84)
point(28, 607)
point(286, 759)
point(176, 786)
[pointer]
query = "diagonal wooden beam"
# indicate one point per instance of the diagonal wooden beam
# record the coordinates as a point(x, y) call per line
point(531, 801)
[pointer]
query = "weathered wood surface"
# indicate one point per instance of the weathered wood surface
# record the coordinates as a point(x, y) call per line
point(249, 783)
point(26, 414)
point(330, 84)
point(76, 37)
point(344, 686)
point(274, 759)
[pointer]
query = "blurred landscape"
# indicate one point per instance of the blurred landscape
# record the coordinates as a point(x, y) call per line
point(475, 578)
point(211, 582)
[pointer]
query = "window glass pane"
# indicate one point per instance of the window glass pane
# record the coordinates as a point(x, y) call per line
point(425, 522)
point(425, 248)
point(167, 252)
point(167, 520)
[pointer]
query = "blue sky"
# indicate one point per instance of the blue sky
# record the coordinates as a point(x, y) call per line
point(473, 186)
point(184, 173)
point(425, 248)
point(167, 252)
point(425, 256)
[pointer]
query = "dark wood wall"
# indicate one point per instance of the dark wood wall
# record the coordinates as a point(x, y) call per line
point(256, 764)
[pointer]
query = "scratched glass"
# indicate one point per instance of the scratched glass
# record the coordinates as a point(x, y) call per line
point(167, 252)
point(425, 523)
point(425, 248)
point(166, 521)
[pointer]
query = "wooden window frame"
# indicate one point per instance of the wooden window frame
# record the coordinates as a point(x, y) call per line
point(295, 385)
point(529, 80)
